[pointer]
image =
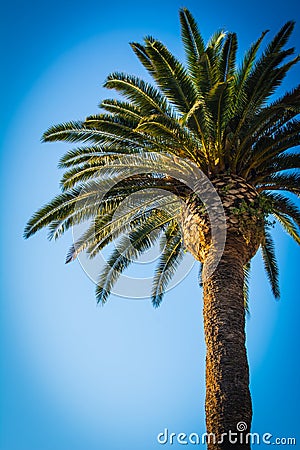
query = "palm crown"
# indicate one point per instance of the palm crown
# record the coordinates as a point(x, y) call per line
point(212, 113)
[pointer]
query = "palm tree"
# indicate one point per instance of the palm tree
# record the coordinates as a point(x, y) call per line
point(210, 116)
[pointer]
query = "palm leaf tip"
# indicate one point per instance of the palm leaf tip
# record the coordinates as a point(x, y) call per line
point(71, 255)
point(156, 301)
point(68, 131)
point(189, 29)
point(101, 295)
point(30, 229)
point(26, 232)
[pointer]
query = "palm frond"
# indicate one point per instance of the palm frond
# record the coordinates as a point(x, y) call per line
point(279, 203)
point(127, 221)
point(83, 155)
point(60, 208)
point(141, 94)
point(84, 172)
point(169, 260)
point(124, 109)
point(200, 281)
point(129, 249)
point(285, 182)
point(172, 78)
point(228, 57)
point(265, 68)
point(247, 270)
point(269, 146)
point(288, 225)
point(270, 263)
point(70, 132)
point(192, 40)
point(286, 161)
point(141, 52)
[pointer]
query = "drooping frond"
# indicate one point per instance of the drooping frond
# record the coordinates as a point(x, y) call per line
point(83, 155)
point(84, 172)
point(172, 254)
point(288, 225)
point(112, 225)
point(70, 132)
point(270, 263)
point(281, 204)
point(200, 275)
point(60, 208)
point(247, 269)
point(128, 249)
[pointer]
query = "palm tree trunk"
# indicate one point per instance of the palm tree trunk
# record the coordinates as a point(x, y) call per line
point(228, 401)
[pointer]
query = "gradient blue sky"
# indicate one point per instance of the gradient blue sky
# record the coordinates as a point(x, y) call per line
point(79, 377)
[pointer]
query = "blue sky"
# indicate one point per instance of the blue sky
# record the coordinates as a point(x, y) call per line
point(75, 376)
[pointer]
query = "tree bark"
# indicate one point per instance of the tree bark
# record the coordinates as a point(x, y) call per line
point(228, 401)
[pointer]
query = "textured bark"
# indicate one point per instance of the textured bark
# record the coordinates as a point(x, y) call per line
point(228, 400)
point(241, 211)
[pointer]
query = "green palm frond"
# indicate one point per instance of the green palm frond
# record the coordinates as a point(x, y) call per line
point(278, 203)
point(62, 207)
point(285, 161)
point(84, 155)
point(228, 57)
point(116, 226)
point(152, 163)
point(275, 144)
point(288, 225)
point(239, 98)
point(124, 109)
point(285, 182)
point(84, 172)
point(141, 52)
point(171, 130)
point(115, 125)
point(70, 132)
point(267, 121)
point(265, 73)
point(79, 131)
point(270, 263)
point(247, 270)
point(141, 94)
point(193, 42)
point(128, 249)
point(171, 77)
point(170, 258)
